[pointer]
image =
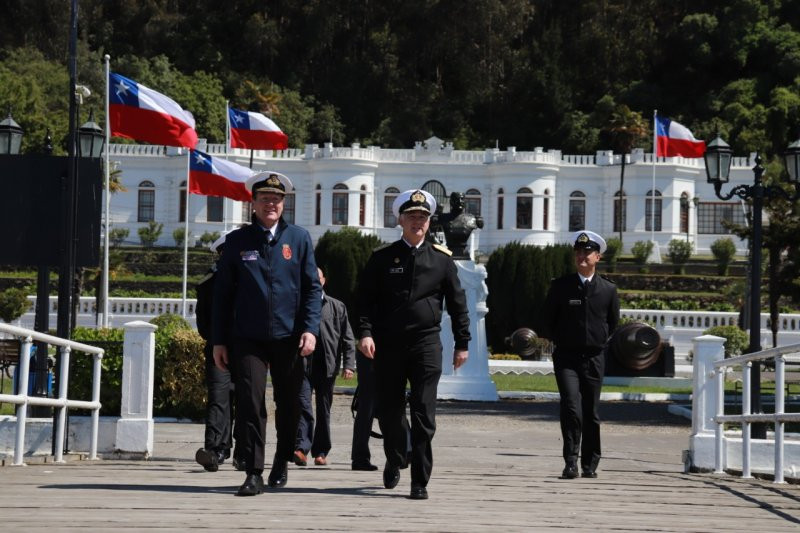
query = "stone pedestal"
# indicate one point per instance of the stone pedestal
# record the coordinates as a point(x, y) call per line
point(135, 426)
point(471, 381)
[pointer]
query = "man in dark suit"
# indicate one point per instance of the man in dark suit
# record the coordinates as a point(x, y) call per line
point(401, 295)
point(580, 313)
point(335, 349)
point(268, 288)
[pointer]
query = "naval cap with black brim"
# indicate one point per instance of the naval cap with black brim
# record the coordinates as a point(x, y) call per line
point(588, 240)
point(414, 200)
point(269, 181)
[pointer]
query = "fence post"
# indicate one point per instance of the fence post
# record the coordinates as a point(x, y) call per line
point(135, 426)
point(707, 349)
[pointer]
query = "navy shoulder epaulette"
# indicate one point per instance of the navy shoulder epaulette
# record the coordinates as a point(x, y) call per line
point(607, 279)
point(443, 249)
point(381, 247)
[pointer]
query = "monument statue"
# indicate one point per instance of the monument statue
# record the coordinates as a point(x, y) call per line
point(457, 226)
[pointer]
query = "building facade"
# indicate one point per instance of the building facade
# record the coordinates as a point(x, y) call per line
point(538, 197)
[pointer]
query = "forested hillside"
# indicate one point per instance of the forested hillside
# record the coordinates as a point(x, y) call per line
point(523, 72)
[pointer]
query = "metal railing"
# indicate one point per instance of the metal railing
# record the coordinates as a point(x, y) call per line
point(779, 417)
point(61, 403)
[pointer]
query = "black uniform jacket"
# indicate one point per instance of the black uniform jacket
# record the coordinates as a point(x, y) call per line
point(402, 291)
point(205, 298)
point(579, 320)
point(267, 291)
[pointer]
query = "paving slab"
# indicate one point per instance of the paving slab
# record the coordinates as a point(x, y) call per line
point(496, 468)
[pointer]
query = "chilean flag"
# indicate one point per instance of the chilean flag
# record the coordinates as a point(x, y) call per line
point(217, 177)
point(254, 131)
point(138, 112)
point(675, 139)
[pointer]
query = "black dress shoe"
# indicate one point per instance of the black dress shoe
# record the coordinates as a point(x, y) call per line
point(252, 485)
point(418, 492)
point(391, 476)
point(366, 467)
point(238, 464)
point(278, 475)
point(570, 471)
point(208, 459)
point(588, 473)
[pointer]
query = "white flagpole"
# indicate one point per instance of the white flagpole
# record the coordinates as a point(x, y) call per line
point(105, 273)
point(186, 231)
point(226, 201)
point(653, 188)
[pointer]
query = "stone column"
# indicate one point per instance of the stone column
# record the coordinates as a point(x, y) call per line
point(471, 381)
point(135, 426)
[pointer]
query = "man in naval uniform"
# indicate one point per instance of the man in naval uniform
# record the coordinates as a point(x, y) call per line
point(401, 295)
point(580, 313)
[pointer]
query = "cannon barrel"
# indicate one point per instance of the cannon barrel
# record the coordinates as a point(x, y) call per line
point(636, 346)
point(521, 342)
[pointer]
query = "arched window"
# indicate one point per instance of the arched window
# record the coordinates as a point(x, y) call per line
point(652, 204)
point(288, 208)
point(472, 202)
point(340, 201)
point(318, 206)
point(214, 206)
point(362, 206)
point(684, 212)
point(577, 211)
point(620, 208)
point(500, 203)
point(147, 202)
point(524, 208)
point(389, 220)
point(546, 210)
point(182, 202)
point(437, 190)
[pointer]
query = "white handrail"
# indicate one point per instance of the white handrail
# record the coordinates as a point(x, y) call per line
point(22, 399)
point(779, 417)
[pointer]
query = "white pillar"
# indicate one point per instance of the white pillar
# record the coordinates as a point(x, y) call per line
point(707, 349)
point(471, 381)
point(135, 426)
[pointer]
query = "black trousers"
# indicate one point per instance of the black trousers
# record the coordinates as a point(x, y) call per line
point(580, 380)
point(362, 425)
point(219, 406)
point(252, 360)
point(310, 436)
point(418, 362)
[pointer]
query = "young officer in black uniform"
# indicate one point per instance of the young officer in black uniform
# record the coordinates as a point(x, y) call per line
point(580, 313)
point(267, 287)
point(401, 293)
point(220, 401)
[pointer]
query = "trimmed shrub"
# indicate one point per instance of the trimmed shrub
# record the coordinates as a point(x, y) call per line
point(117, 236)
point(724, 250)
point(183, 375)
point(13, 304)
point(180, 236)
point(679, 251)
point(641, 251)
point(612, 253)
point(736, 340)
point(80, 368)
point(208, 238)
point(149, 234)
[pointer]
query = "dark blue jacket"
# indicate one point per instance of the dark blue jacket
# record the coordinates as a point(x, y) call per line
point(271, 291)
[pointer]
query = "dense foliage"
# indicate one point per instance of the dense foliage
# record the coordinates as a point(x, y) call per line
point(518, 279)
point(526, 72)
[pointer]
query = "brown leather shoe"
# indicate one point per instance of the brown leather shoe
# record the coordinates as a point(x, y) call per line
point(320, 460)
point(300, 458)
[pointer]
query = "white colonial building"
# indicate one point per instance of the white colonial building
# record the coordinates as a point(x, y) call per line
point(536, 197)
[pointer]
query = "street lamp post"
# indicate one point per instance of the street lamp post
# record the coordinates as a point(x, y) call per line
point(10, 136)
point(718, 164)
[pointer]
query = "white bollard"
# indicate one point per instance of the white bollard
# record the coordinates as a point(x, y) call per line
point(135, 426)
point(707, 349)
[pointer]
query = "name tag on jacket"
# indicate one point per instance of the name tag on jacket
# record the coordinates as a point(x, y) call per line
point(249, 255)
point(396, 270)
point(574, 302)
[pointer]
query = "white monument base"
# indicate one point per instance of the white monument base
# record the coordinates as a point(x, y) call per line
point(471, 381)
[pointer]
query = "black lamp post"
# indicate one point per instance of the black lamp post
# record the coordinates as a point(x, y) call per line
point(10, 136)
point(90, 138)
point(718, 165)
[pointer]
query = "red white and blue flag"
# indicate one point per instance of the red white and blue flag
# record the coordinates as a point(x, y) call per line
point(140, 113)
point(212, 176)
point(255, 131)
point(673, 139)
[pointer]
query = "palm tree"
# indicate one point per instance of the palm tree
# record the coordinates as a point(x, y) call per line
point(626, 129)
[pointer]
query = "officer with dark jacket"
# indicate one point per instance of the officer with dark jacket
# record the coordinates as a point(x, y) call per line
point(219, 384)
point(335, 349)
point(580, 313)
point(268, 287)
point(401, 295)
